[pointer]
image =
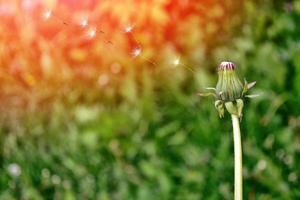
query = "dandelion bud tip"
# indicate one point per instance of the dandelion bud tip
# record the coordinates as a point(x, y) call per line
point(226, 65)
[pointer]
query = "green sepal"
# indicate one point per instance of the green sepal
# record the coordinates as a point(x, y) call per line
point(247, 86)
point(220, 108)
point(231, 108)
point(240, 106)
point(206, 94)
point(235, 108)
point(251, 96)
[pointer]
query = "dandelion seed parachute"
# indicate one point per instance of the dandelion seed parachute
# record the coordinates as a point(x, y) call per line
point(47, 14)
point(136, 51)
point(176, 62)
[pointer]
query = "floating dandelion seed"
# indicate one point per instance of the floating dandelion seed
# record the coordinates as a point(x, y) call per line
point(47, 14)
point(176, 62)
point(14, 170)
point(136, 51)
point(92, 33)
point(84, 23)
point(128, 29)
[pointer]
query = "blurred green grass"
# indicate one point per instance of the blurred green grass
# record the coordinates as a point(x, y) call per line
point(153, 138)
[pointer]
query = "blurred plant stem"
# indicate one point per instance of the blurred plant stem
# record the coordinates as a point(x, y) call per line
point(238, 162)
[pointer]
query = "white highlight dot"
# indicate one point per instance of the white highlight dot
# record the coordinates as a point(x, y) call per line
point(176, 62)
point(47, 14)
point(14, 170)
point(84, 23)
point(136, 51)
point(128, 29)
point(92, 33)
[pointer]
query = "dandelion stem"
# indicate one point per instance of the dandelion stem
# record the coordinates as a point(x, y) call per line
point(238, 163)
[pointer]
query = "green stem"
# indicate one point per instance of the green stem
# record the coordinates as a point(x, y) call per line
point(238, 163)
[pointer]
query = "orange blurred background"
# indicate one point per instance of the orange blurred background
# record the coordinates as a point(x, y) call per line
point(48, 47)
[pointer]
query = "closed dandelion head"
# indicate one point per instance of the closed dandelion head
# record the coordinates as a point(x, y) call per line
point(229, 86)
point(230, 91)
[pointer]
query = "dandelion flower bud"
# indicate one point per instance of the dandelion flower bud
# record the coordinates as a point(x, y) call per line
point(230, 91)
point(229, 86)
